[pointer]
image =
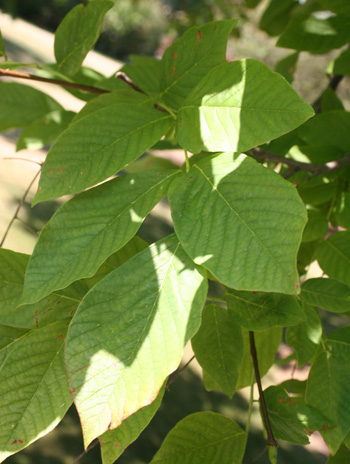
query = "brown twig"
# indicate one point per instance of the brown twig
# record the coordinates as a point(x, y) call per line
point(32, 77)
point(178, 373)
point(18, 208)
point(315, 169)
point(92, 445)
point(270, 438)
point(22, 159)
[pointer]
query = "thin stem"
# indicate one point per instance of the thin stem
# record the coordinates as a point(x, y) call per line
point(270, 438)
point(27, 226)
point(187, 161)
point(216, 298)
point(178, 373)
point(251, 402)
point(92, 445)
point(23, 159)
point(32, 77)
point(18, 208)
point(315, 169)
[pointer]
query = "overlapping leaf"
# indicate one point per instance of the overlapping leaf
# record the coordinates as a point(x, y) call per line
point(338, 344)
point(333, 255)
point(328, 294)
point(237, 106)
point(77, 33)
point(21, 104)
point(144, 71)
point(342, 211)
point(267, 343)
point(241, 221)
point(315, 35)
point(44, 130)
point(203, 438)
point(290, 418)
point(260, 311)
point(328, 390)
point(129, 333)
point(337, 6)
point(89, 228)
point(341, 65)
point(191, 57)
point(305, 338)
point(114, 442)
point(99, 144)
point(276, 16)
point(34, 394)
point(218, 347)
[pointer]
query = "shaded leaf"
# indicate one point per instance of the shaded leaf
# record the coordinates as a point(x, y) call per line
point(260, 311)
point(2, 47)
point(89, 228)
point(342, 210)
point(330, 128)
point(44, 130)
point(114, 442)
point(305, 338)
point(191, 57)
point(316, 226)
point(77, 33)
point(287, 66)
point(203, 438)
point(138, 320)
point(276, 16)
point(337, 6)
point(311, 34)
point(144, 71)
point(267, 343)
point(341, 456)
point(241, 221)
point(341, 65)
point(99, 144)
point(21, 104)
point(338, 343)
point(237, 106)
point(328, 390)
point(333, 256)
point(218, 347)
point(330, 101)
point(34, 394)
point(291, 420)
point(328, 294)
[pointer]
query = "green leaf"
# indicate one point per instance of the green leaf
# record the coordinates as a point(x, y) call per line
point(8, 335)
point(342, 456)
point(328, 294)
point(267, 343)
point(191, 57)
point(291, 420)
point(276, 16)
point(342, 210)
point(330, 128)
point(338, 343)
point(89, 228)
point(44, 130)
point(260, 311)
point(55, 307)
point(330, 100)
point(287, 66)
point(218, 347)
point(337, 6)
point(237, 106)
point(316, 226)
point(2, 47)
point(99, 144)
point(333, 256)
point(203, 438)
point(328, 390)
point(144, 71)
point(341, 65)
point(21, 104)
point(241, 221)
point(114, 442)
point(305, 338)
point(317, 190)
point(34, 394)
point(311, 34)
point(118, 359)
point(77, 34)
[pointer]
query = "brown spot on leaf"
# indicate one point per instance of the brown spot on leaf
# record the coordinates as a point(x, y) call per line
point(199, 35)
point(292, 403)
point(117, 445)
point(325, 426)
point(73, 311)
point(39, 188)
point(72, 390)
point(48, 309)
point(175, 55)
point(17, 441)
point(60, 336)
point(58, 302)
point(37, 318)
point(282, 401)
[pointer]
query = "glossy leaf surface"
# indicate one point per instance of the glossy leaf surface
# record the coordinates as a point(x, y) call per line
point(89, 228)
point(237, 106)
point(241, 221)
point(138, 320)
